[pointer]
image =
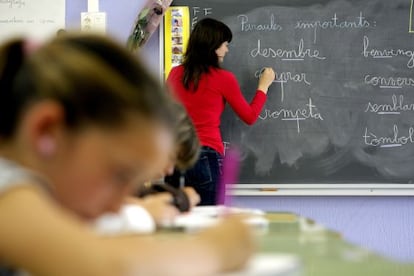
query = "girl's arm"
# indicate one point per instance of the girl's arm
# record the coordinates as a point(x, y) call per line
point(42, 238)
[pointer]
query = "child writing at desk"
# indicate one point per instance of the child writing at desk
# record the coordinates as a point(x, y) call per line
point(156, 196)
point(81, 121)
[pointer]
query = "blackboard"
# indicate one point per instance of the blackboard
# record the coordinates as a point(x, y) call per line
point(342, 108)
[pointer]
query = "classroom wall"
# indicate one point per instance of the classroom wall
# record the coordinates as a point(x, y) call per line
point(383, 224)
point(121, 15)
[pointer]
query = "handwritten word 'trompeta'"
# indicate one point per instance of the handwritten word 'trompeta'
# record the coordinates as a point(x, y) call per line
point(300, 114)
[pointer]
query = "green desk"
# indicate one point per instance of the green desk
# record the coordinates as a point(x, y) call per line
point(321, 252)
point(324, 252)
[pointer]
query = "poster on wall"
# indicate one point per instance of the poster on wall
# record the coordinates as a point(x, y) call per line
point(176, 34)
point(37, 19)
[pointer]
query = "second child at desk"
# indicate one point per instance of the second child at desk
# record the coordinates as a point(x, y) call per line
point(157, 197)
point(81, 122)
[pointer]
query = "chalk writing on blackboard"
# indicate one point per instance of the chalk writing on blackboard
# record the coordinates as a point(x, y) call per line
point(387, 53)
point(297, 54)
point(395, 107)
point(198, 12)
point(270, 26)
point(360, 22)
point(389, 82)
point(287, 77)
point(310, 111)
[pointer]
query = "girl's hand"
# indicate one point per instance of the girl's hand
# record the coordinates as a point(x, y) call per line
point(233, 242)
point(192, 195)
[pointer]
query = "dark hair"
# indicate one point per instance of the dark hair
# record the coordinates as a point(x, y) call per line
point(206, 37)
point(94, 79)
point(186, 139)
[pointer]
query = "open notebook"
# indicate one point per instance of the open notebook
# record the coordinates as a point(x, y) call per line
point(269, 264)
point(202, 217)
point(134, 219)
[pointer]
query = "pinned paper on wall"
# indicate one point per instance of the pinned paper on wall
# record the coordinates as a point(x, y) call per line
point(176, 34)
point(93, 21)
point(30, 18)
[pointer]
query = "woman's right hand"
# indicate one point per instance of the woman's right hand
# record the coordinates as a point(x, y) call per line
point(266, 79)
point(233, 242)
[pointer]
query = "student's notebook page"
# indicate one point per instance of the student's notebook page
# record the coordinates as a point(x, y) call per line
point(202, 217)
point(270, 265)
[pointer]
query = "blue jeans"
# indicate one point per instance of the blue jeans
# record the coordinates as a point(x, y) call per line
point(204, 176)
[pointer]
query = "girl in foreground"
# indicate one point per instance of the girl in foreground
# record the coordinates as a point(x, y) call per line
point(81, 121)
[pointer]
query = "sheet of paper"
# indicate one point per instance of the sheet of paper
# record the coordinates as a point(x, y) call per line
point(207, 216)
point(270, 265)
point(37, 19)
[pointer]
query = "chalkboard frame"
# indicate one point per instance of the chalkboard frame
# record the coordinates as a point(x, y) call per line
point(328, 189)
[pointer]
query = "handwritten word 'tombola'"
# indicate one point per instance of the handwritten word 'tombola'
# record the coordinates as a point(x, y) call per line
point(396, 140)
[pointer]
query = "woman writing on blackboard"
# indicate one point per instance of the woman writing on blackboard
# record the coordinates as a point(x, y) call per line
point(204, 88)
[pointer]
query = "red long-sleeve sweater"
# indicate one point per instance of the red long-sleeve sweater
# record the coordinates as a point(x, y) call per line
point(206, 105)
